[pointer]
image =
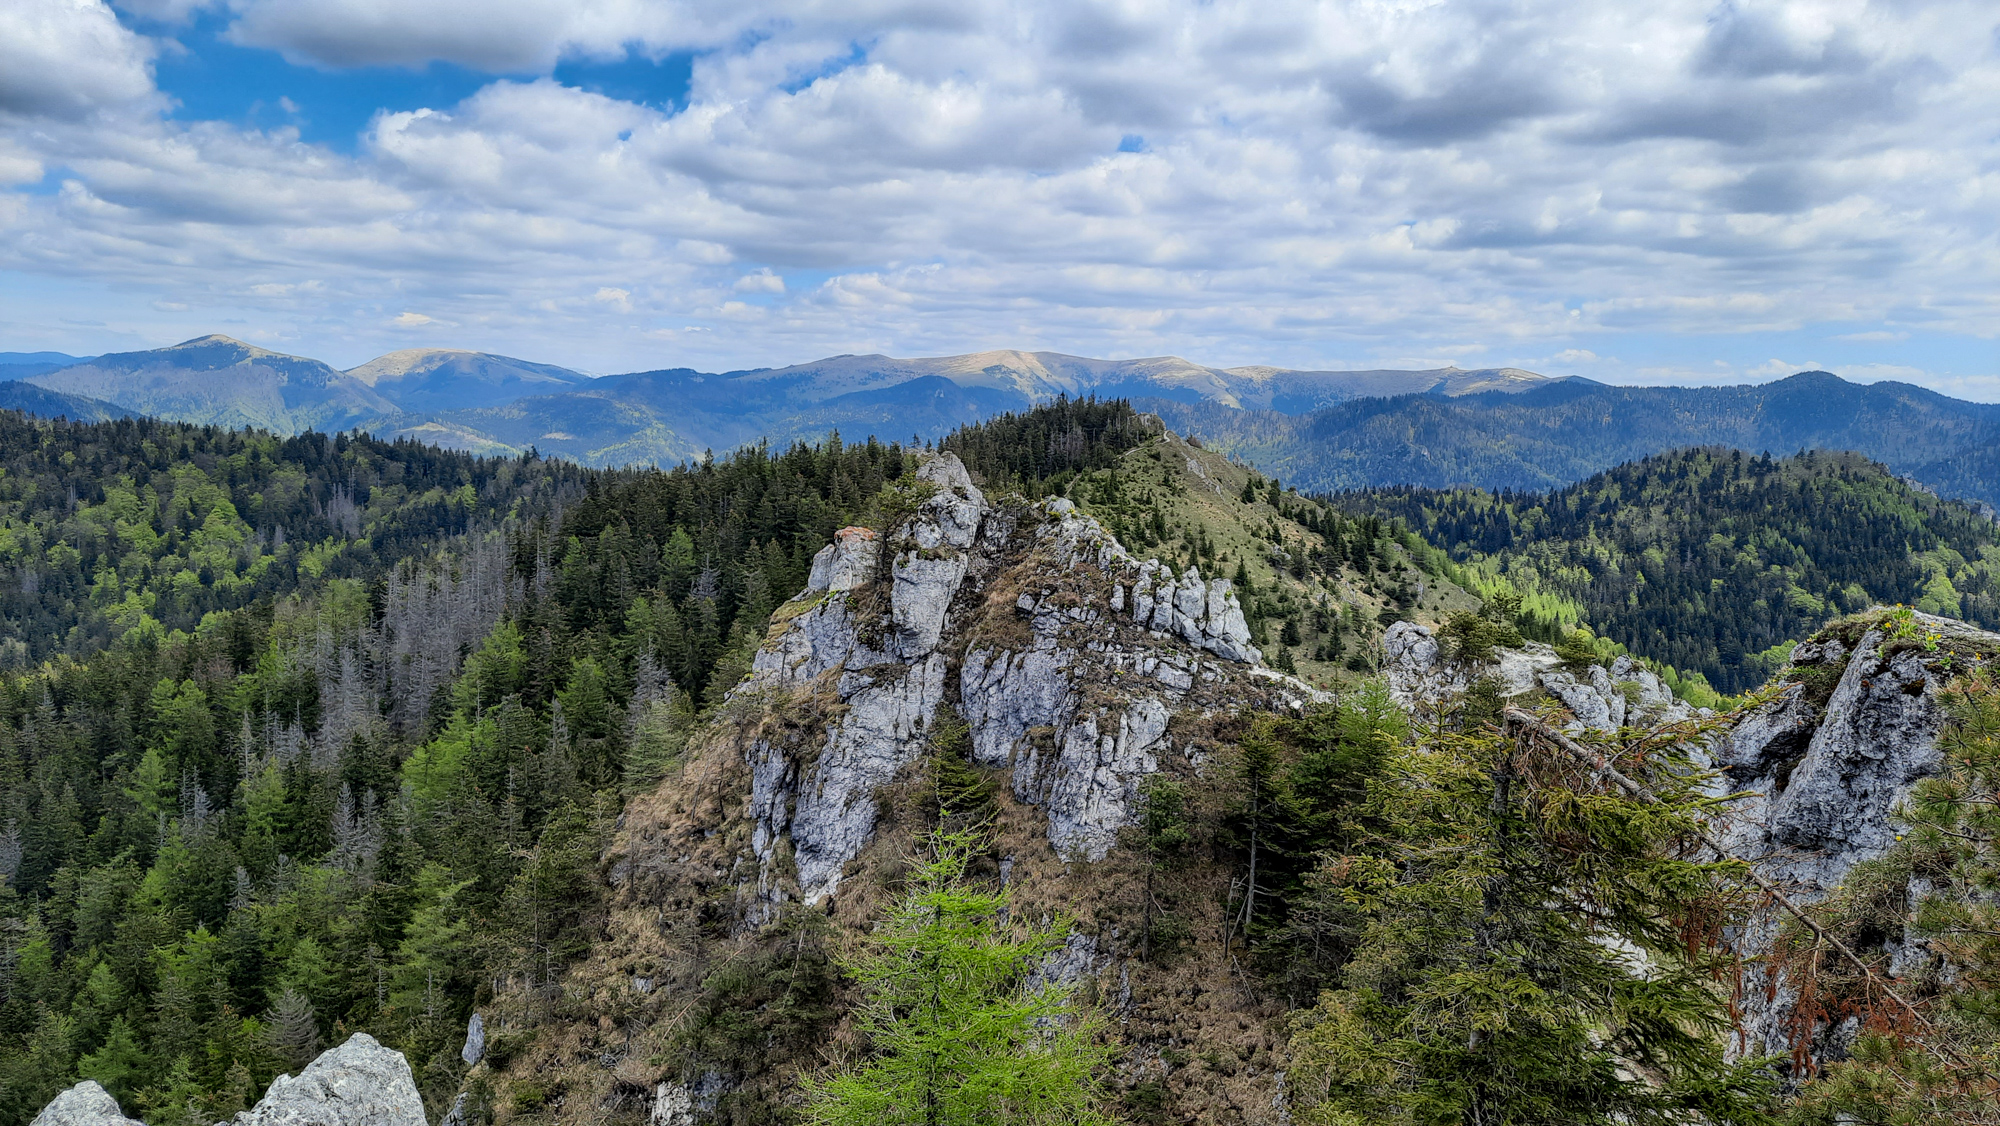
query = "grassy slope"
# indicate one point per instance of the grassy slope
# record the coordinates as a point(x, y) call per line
point(1198, 494)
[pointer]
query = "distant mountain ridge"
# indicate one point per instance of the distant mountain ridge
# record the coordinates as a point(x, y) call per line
point(669, 415)
point(492, 404)
point(218, 380)
point(21, 365)
point(1327, 430)
point(1561, 432)
point(440, 379)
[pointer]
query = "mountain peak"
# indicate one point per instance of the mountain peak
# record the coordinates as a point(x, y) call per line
point(218, 340)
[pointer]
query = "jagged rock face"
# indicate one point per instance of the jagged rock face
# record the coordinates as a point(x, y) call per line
point(1143, 642)
point(360, 1083)
point(1627, 694)
point(1826, 782)
point(85, 1104)
point(1819, 782)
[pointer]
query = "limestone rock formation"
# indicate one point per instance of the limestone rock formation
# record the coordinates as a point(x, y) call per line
point(475, 1040)
point(1817, 770)
point(1068, 659)
point(85, 1104)
point(359, 1083)
point(1625, 694)
point(1821, 768)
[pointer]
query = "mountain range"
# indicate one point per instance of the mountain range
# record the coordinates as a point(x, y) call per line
point(1559, 432)
point(1320, 430)
point(497, 404)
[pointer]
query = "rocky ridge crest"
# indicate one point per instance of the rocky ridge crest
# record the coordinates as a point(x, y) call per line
point(1066, 657)
point(1601, 698)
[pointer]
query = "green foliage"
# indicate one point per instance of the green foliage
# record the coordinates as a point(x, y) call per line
point(1534, 949)
point(963, 796)
point(281, 802)
point(1708, 560)
point(156, 526)
point(962, 1029)
point(777, 997)
point(1042, 451)
point(1470, 637)
point(1164, 834)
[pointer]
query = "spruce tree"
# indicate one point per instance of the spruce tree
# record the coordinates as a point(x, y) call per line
point(965, 1029)
point(1538, 949)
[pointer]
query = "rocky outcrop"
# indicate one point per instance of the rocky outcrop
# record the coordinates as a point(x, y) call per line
point(1072, 679)
point(1816, 771)
point(475, 1040)
point(85, 1104)
point(360, 1083)
point(1601, 698)
point(1820, 769)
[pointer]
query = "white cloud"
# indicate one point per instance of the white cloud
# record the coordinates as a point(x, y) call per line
point(1322, 184)
point(66, 58)
point(412, 320)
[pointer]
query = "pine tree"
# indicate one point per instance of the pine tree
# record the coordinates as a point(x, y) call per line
point(964, 1028)
point(119, 1064)
point(1163, 835)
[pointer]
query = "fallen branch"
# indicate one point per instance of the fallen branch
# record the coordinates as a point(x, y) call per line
point(1604, 769)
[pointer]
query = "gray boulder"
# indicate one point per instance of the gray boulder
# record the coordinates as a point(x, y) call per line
point(475, 1040)
point(85, 1104)
point(360, 1083)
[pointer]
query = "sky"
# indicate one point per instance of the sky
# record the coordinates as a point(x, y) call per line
point(1669, 192)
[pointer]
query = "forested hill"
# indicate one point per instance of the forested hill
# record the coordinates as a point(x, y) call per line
point(109, 526)
point(1558, 433)
point(334, 726)
point(1712, 560)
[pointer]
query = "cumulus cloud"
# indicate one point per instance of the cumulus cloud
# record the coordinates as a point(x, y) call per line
point(1318, 182)
point(66, 58)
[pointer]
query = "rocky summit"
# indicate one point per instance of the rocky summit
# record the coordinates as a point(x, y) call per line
point(1066, 657)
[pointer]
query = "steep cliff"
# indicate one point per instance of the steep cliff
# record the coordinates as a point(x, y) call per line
point(1822, 766)
point(1017, 635)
